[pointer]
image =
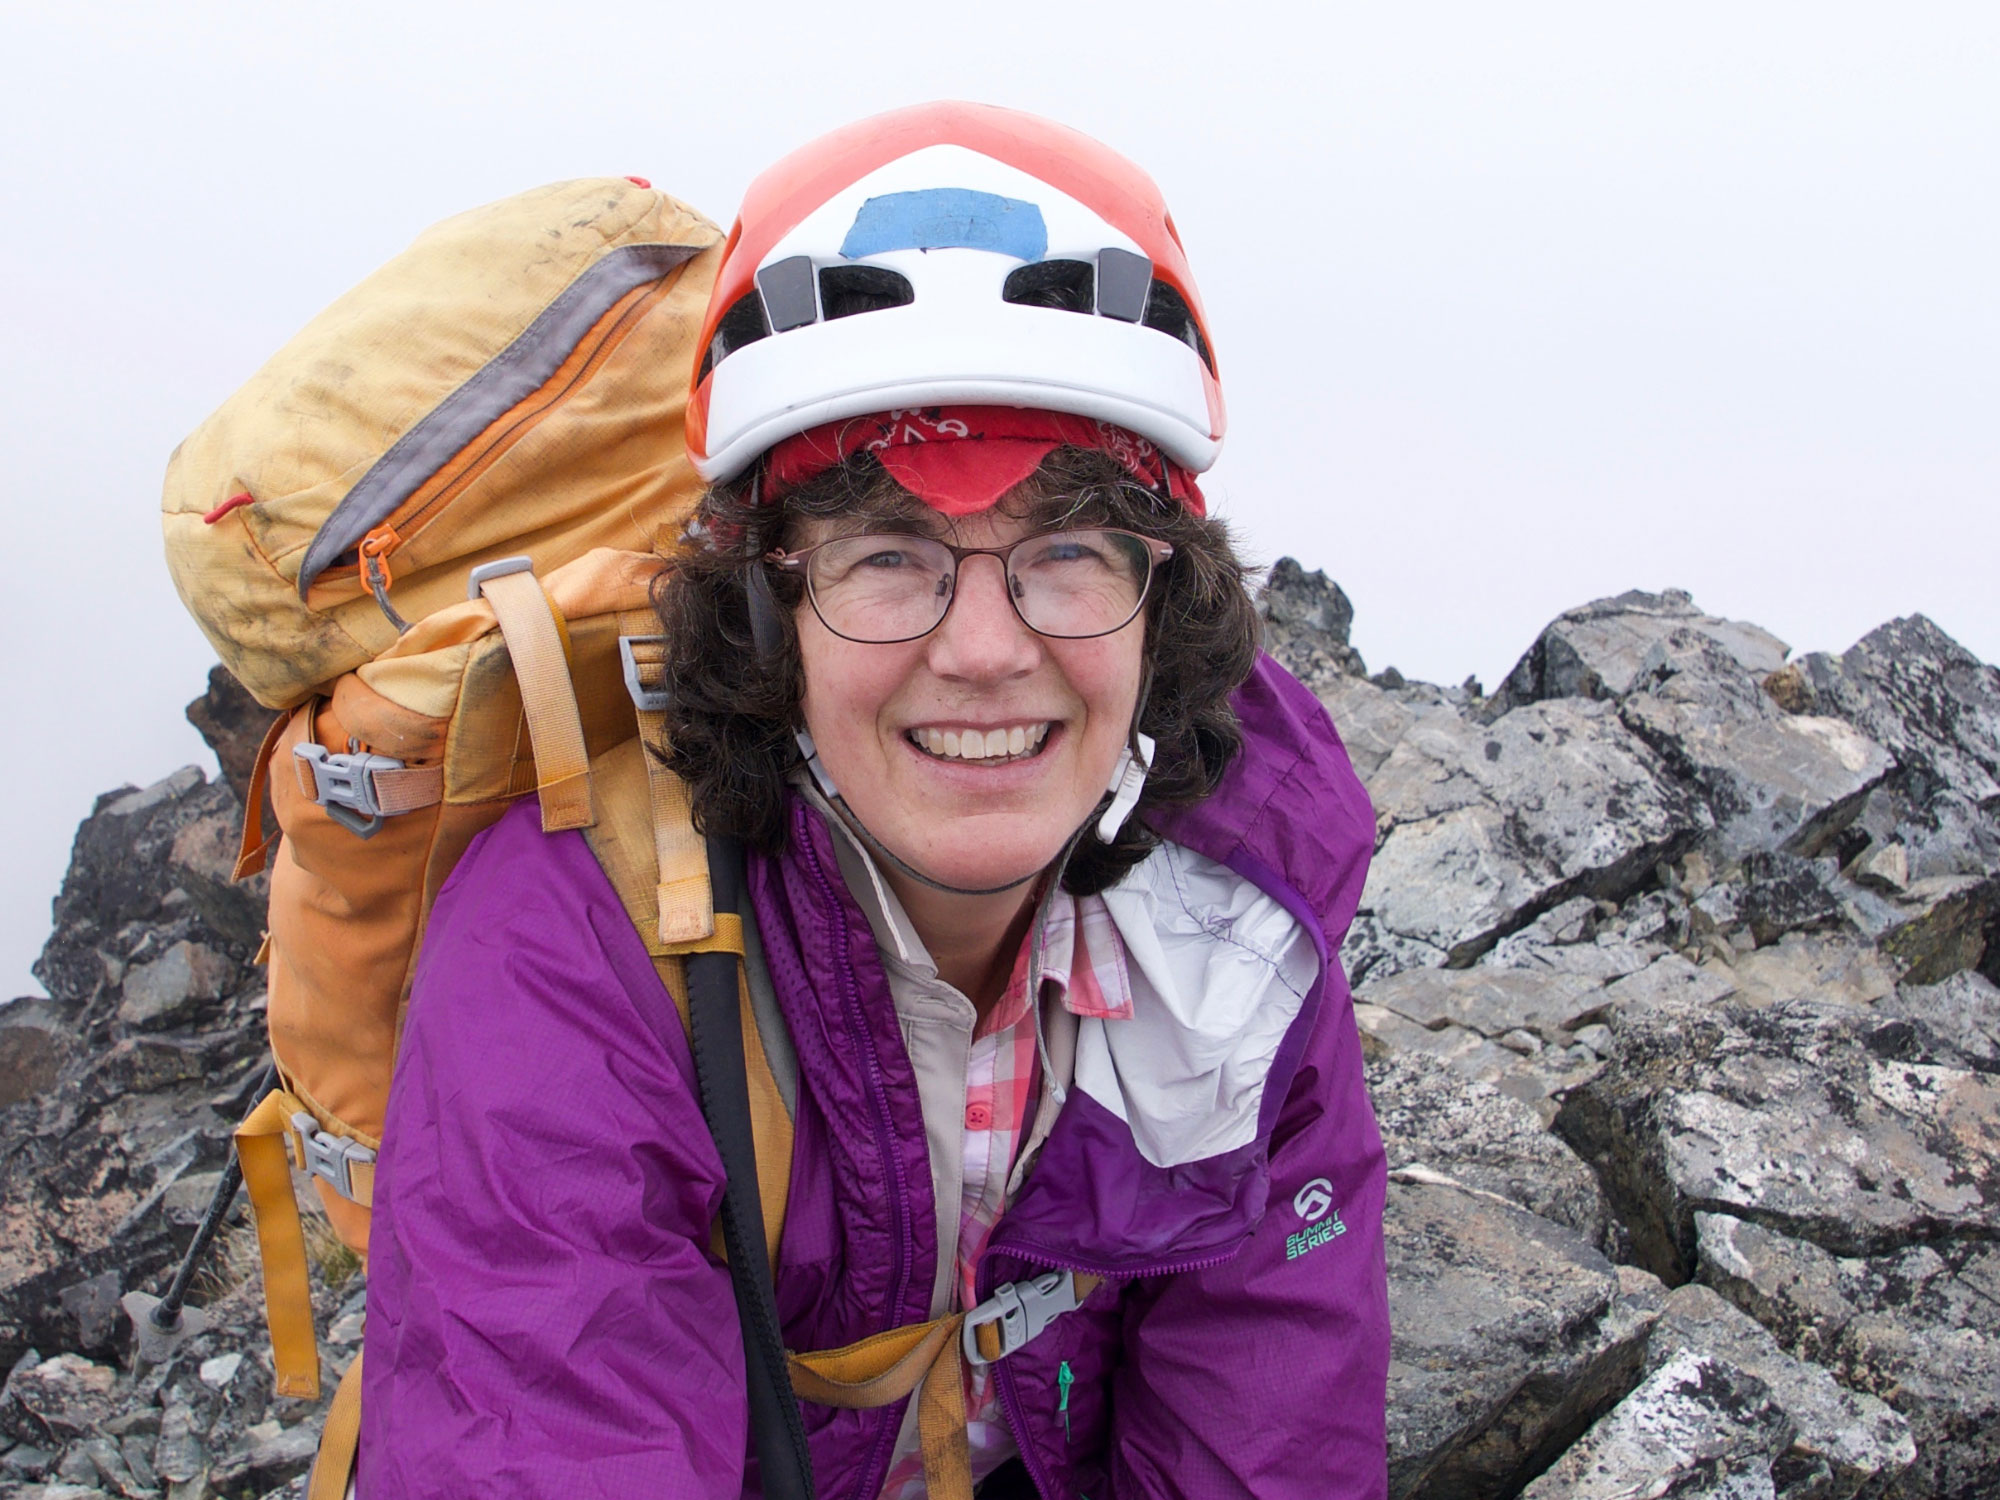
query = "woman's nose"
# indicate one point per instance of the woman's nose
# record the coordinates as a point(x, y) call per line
point(981, 635)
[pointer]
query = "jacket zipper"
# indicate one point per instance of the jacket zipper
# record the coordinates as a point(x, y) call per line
point(857, 1025)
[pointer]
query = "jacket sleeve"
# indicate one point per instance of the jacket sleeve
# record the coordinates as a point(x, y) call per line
point(1267, 1375)
point(544, 1316)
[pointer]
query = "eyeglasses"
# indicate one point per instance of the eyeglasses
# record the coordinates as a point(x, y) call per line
point(882, 588)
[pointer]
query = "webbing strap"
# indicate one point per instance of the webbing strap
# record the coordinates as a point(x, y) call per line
point(253, 850)
point(339, 1439)
point(886, 1367)
point(262, 1145)
point(398, 789)
point(686, 902)
point(548, 698)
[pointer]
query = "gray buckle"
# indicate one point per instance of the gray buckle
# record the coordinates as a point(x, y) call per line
point(330, 1156)
point(1022, 1309)
point(646, 700)
point(345, 786)
point(499, 568)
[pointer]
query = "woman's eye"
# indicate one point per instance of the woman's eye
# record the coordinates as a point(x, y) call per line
point(885, 559)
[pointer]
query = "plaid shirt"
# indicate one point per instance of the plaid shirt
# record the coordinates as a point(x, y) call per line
point(1083, 965)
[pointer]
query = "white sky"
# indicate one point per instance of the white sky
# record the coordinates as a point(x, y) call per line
point(1516, 306)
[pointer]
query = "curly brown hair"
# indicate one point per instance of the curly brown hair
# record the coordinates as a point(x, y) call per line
point(734, 710)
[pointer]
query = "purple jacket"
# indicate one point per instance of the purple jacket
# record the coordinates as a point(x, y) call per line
point(545, 1315)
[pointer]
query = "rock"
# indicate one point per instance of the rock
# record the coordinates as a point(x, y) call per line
point(1918, 1327)
point(1843, 1442)
point(233, 724)
point(119, 889)
point(59, 1399)
point(1832, 1125)
point(1936, 708)
point(1964, 1011)
point(92, 1305)
point(219, 1371)
point(1599, 649)
point(1511, 1335)
point(202, 862)
point(1786, 894)
point(1827, 970)
point(1883, 867)
point(1670, 980)
point(1306, 621)
point(1481, 829)
point(1773, 781)
point(1956, 918)
point(31, 1057)
point(1694, 1427)
point(172, 989)
point(1489, 1001)
point(1433, 1117)
point(178, 1455)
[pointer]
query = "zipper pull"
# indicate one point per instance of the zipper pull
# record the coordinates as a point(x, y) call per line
point(1064, 1380)
point(375, 549)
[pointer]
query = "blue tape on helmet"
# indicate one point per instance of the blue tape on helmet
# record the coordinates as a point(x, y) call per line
point(947, 219)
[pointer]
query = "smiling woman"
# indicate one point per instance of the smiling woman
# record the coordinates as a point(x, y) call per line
point(1046, 869)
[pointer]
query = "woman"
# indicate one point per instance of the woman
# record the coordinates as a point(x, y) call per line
point(1048, 869)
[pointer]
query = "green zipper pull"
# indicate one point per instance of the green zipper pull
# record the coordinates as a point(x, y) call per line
point(1064, 1380)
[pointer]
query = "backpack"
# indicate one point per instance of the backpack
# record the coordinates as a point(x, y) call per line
point(426, 532)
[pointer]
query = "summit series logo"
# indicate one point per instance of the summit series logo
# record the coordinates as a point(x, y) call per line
point(1314, 1204)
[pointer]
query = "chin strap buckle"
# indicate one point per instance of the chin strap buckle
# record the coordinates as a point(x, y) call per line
point(1128, 780)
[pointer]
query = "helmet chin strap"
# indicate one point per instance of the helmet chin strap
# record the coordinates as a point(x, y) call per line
point(1121, 796)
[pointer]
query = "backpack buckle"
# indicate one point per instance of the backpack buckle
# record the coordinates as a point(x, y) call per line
point(345, 786)
point(330, 1156)
point(1020, 1310)
point(648, 700)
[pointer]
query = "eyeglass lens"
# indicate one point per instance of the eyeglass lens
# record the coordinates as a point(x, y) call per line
point(894, 588)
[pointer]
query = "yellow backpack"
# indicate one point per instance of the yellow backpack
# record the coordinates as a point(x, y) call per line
point(426, 532)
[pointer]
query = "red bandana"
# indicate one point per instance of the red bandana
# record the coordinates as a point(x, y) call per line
point(960, 459)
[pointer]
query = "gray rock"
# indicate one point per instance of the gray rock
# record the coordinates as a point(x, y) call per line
point(1919, 1327)
point(1785, 893)
point(202, 862)
point(1671, 980)
point(31, 1058)
point(178, 1454)
point(233, 724)
point(1511, 1335)
point(1773, 781)
point(1489, 1001)
point(1434, 1117)
point(1843, 1442)
point(1964, 1011)
point(1306, 621)
point(1935, 707)
point(1826, 970)
point(1694, 1427)
point(59, 1399)
point(1831, 1124)
point(1599, 649)
point(1944, 927)
point(1482, 829)
point(173, 988)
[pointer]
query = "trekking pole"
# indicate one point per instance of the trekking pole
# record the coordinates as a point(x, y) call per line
point(163, 1323)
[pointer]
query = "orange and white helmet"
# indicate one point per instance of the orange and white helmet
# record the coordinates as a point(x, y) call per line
point(952, 254)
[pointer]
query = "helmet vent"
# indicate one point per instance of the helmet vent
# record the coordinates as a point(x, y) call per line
point(1167, 310)
point(742, 324)
point(847, 290)
point(1065, 285)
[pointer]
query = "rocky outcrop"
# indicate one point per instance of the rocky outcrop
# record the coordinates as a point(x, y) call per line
point(1675, 973)
point(1726, 926)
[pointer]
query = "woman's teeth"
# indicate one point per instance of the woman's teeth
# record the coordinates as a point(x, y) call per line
point(982, 745)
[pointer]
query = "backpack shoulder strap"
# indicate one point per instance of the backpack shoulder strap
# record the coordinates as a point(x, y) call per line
point(645, 841)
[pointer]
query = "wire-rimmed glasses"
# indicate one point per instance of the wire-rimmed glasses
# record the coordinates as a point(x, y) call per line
point(882, 587)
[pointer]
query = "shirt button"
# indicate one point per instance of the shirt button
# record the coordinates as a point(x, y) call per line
point(977, 1117)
